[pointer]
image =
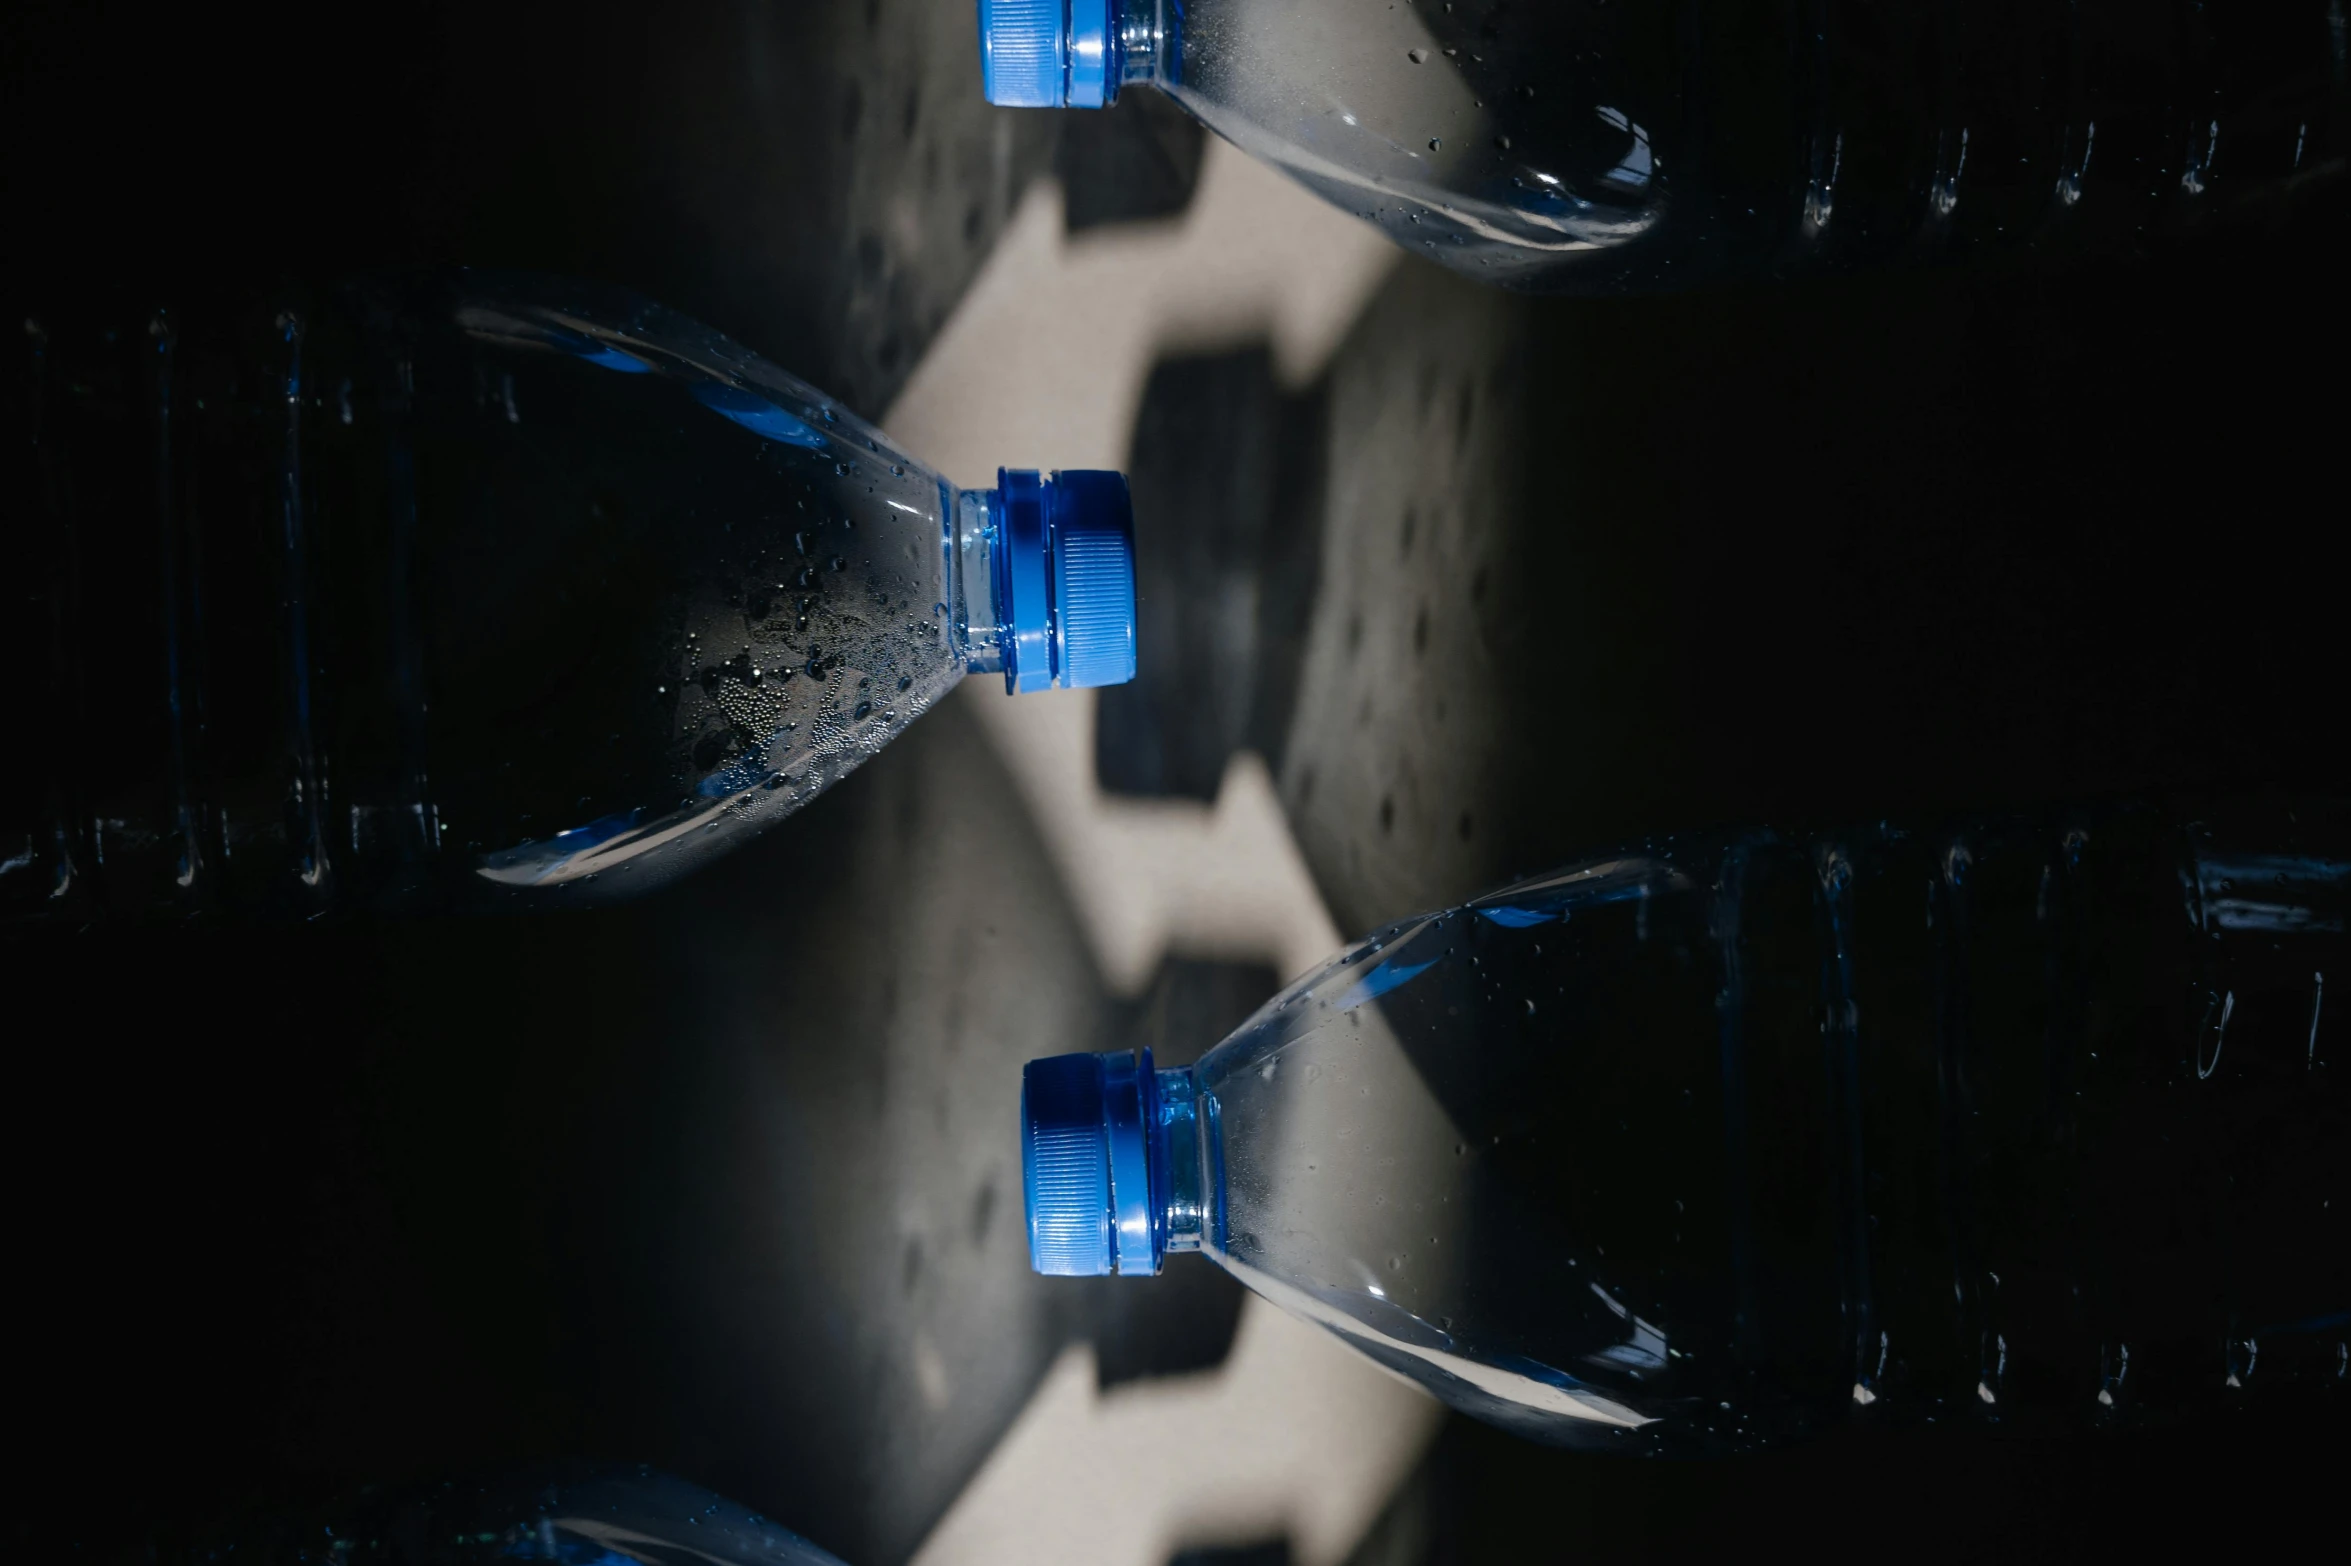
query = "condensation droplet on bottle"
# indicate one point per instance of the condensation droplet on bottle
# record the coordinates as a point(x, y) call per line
point(1417, 56)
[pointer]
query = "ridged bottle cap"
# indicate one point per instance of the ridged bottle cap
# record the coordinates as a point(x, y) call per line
point(1065, 574)
point(1084, 1167)
point(1046, 54)
point(1065, 1167)
point(1094, 561)
point(1020, 53)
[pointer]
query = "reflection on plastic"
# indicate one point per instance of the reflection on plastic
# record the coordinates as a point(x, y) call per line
point(1705, 1144)
point(1597, 147)
point(574, 1515)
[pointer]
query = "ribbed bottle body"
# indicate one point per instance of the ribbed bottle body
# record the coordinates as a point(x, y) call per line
point(1706, 1143)
point(1599, 145)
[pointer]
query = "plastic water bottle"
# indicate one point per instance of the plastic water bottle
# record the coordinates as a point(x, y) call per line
point(478, 590)
point(1705, 1143)
point(1595, 145)
point(577, 1514)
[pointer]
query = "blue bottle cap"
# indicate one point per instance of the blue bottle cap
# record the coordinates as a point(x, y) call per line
point(1046, 54)
point(1094, 586)
point(1083, 1166)
point(1066, 579)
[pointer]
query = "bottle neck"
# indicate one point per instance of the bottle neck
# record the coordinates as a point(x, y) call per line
point(1186, 1151)
point(976, 620)
point(1146, 41)
point(1039, 579)
point(1001, 605)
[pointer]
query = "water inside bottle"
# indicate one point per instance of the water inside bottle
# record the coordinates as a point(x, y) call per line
point(818, 626)
point(1707, 1143)
point(520, 588)
point(1508, 138)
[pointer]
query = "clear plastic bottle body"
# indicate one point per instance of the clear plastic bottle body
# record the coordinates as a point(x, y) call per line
point(811, 589)
point(1506, 159)
point(477, 590)
point(1603, 144)
point(546, 1511)
point(1698, 1147)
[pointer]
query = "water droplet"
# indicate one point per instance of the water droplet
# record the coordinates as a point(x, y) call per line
point(1433, 144)
point(1417, 56)
point(1530, 1008)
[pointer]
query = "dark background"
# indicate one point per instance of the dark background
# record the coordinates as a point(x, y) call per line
point(695, 1182)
